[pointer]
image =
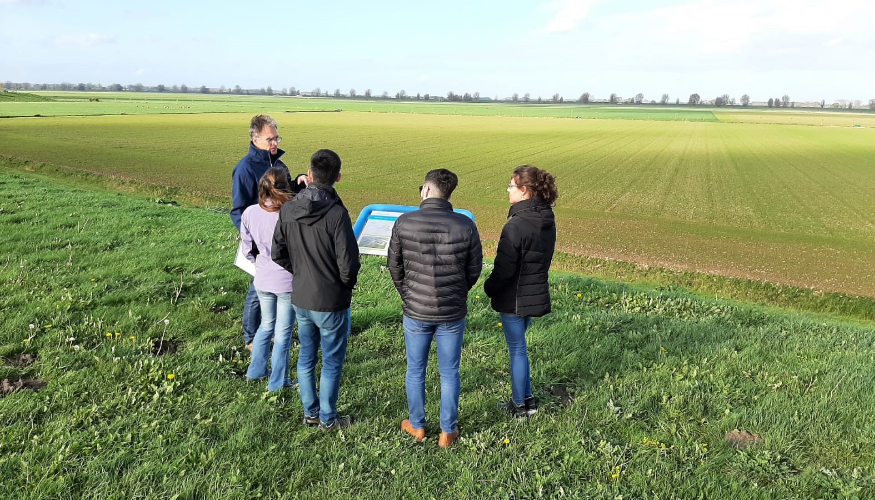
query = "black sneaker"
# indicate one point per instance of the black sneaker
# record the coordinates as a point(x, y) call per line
point(338, 422)
point(311, 420)
point(531, 405)
point(513, 410)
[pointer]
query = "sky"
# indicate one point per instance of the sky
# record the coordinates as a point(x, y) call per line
point(807, 49)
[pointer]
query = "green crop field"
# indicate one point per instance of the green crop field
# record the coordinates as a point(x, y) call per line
point(125, 313)
point(787, 204)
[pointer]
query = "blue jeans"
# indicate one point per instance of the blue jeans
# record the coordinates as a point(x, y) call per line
point(515, 333)
point(417, 337)
point(277, 318)
point(330, 330)
point(251, 314)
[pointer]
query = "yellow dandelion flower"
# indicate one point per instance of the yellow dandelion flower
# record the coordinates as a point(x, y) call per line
point(48, 326)
point(93, 279)
point(26, 341)
point(132, 337)
point(662, 349)
point(499, 323)
point(118, 334)
point(109, 334)
point(170, 376)
point(506, 441)
point(615, 476)
point(579, 295)
point(477, 296)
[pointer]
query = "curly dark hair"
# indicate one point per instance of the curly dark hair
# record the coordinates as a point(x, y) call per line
point(539, 182)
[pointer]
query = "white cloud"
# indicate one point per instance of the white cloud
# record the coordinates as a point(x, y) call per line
point(570, 12)
point(85, 41)
point(140, 72)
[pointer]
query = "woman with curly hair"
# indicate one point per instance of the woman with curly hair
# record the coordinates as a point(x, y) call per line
point(518, 284)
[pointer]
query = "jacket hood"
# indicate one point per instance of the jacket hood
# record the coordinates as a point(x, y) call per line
point(535, 211)
point(263, 155)
point(311, 204)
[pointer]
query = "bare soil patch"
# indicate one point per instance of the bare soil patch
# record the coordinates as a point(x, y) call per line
point(21, 361)
point(165, 346)
point(742, 439)
point(562, 392)
point(9, 386)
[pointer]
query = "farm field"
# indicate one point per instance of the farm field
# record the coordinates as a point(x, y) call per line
point(125, 313)
point(787, 204)
point(80, 104)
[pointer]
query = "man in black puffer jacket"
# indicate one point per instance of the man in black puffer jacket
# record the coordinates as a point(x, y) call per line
point(435, 258)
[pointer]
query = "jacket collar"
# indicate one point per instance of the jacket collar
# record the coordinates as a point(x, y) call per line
point(263, 155)
point(436, 204)
point(531, 203)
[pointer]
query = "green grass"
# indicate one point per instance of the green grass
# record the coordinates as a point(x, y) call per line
point(770, 203)
point(18, 97)
point(97, 272)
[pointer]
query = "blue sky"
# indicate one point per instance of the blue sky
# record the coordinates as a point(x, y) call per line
point(809, 50)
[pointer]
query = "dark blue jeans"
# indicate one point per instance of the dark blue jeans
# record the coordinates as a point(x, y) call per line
point(417, 338)
point(251, 314)
point(330, 331)
point(515, 333)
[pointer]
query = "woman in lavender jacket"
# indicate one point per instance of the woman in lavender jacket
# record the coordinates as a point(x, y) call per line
point(273, 284)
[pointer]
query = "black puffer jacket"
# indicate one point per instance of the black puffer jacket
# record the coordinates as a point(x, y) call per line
point(435, 257)
point(518, 284)
point(315, 242)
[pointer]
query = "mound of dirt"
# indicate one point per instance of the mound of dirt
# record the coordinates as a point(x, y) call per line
point(742, 439)
point(20, 361)
point(8, 386)
point(166, 346)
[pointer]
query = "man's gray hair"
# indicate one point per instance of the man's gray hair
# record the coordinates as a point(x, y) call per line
point(259, 122)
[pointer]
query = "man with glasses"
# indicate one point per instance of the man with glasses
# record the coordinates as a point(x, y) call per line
point(264, 152)
point(435, 257)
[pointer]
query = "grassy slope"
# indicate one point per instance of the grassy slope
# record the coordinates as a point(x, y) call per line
point(766, 202)
point(19, 97)
point(649, 368)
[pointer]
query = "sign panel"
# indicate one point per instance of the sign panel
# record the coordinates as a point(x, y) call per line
point(374, 237)
point(373, 227)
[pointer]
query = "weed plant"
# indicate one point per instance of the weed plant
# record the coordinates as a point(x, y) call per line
point(638, 386)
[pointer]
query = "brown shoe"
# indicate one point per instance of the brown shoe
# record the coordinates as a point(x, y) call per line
point(407, 427)
point(448, 438)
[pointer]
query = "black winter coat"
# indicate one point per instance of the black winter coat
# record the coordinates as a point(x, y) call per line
point(435, 258)
point(315, 242)
point(518, 283)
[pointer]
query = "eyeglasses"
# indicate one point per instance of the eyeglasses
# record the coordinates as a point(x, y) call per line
point(512, 185)
point(268, 140)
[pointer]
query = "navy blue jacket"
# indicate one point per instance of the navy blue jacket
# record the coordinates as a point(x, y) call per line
point(244, 179)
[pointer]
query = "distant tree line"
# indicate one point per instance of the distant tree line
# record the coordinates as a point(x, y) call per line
point(585, 98)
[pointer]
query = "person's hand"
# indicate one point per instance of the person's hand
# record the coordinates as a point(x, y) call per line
point(303, 179)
